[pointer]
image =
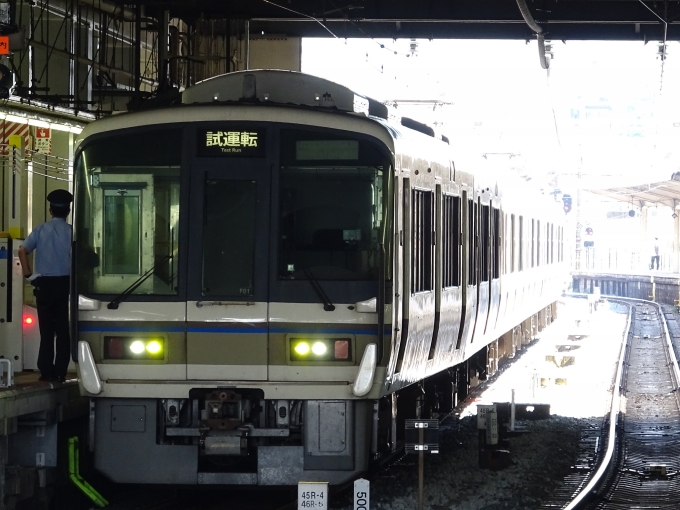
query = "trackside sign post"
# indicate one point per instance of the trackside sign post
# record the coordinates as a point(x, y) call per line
point(313, 495)
point(362, 492)
point(421, 436)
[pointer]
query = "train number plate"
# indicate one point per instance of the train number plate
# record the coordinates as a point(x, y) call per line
point(313, 495)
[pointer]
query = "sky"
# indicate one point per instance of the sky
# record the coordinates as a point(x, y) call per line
point(604, 111)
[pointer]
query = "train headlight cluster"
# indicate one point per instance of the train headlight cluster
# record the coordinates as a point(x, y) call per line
point(321, 349)
point(130, 348)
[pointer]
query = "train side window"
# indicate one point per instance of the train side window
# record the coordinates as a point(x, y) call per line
point(521, 243)
point(451, 240)
point(533, 242)
point(552, 237)
point(513, 249)
point(485, 237)
point(539, 246)
point(496, 244)
point(473, 239)
point(422, 221)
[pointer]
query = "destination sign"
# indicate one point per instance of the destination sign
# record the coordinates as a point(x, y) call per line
point(231, 142)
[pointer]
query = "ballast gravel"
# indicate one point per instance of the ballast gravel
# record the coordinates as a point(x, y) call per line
point(543, 455)
point(541, 458)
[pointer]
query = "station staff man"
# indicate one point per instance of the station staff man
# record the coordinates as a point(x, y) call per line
point(52, 240)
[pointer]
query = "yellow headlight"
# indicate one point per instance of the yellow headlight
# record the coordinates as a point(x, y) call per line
point(319, 348)
point(302, 348)
point(137, 347)
point(154, 347)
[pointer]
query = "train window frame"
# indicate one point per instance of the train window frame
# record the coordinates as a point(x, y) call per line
point(496, 243)
point(485, 242)
point(422, 239)
point(521, 243)
point(451, 241)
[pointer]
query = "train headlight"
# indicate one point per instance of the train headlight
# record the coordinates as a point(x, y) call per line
point(320, 349)
point(131, 348)
point(137, 347)
point(154, 347)
point(301, 348)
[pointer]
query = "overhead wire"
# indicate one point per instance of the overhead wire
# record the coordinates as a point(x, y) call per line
point(665, 38)
point(301, 14)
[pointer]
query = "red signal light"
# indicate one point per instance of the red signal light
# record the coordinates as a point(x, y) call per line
point(28, 320)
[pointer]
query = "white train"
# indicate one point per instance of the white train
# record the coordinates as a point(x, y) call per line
point(270, 277)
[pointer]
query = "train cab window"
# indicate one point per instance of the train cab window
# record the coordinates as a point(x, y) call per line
point(422, 225)
point(127, 213)
point(333, 206)
point(485, 238)
point(451, 239)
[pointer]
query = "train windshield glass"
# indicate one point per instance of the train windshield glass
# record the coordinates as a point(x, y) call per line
point(333, 205)
point(127, 213)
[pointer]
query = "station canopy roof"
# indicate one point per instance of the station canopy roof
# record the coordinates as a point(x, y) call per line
point(650, 194)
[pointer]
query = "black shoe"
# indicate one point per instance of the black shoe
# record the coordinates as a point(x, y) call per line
point(47, 378)
point(61, 379)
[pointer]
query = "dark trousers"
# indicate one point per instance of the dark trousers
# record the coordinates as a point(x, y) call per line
point(51, 294)
point(654, 258)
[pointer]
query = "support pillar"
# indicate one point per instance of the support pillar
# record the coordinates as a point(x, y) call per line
point(644, 257)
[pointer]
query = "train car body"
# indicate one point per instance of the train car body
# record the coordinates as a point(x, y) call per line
point(262, 271)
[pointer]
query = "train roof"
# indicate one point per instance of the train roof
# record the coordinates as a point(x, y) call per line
point(288, 90)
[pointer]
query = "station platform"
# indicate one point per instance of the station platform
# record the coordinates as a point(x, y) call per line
point(660, 286)
point(36, 417)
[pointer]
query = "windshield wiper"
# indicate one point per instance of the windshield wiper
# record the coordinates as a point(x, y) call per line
point(327, 305)
point(113, 305)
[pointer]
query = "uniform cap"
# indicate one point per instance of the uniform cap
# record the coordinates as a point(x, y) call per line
point(60, 198)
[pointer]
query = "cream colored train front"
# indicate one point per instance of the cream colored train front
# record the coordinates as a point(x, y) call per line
point(260, 270)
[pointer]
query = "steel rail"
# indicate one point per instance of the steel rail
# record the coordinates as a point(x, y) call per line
point(580, 499)
point(596, 479)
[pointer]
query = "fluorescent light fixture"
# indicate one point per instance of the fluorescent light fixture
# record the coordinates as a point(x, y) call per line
point(38, 123)
point(76, 129)
point(60, 127)
point(18, 120)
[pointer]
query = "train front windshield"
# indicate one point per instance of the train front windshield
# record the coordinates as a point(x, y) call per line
point(329, 213)
point(127, 213)
point(332, 194)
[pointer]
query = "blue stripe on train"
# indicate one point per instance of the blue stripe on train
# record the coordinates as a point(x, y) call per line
point(193, 329)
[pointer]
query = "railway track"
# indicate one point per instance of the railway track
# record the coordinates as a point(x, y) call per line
point(635, 462)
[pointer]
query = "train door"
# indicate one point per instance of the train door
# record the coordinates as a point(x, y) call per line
point(227, 330)
point(418, 276)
